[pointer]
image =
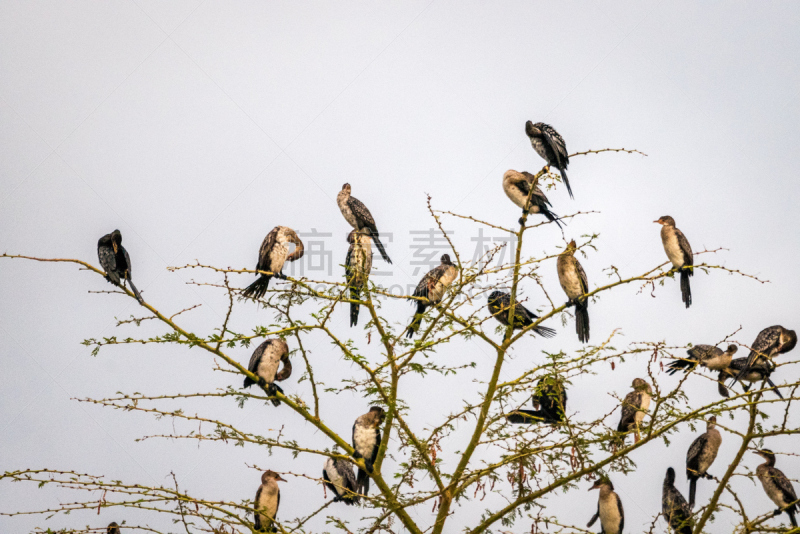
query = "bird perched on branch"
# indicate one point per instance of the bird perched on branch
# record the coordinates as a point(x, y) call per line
point(358, 266)
point(634, 408)
point(550, 401)
point(674, 507)
point(758, 372)
point(701, 455)
point(272, 255)
point(432, 288)
point(113, 528)
point(359, 217)
point(517, 186)
point(609, 508)
point(366, 442)
point(707, 356)
point(549, 144)
point(770, 342)
point(340, 479)
point(574, 283)
point(679, 252)
point(115, 261)
point(264, 363)
point(777, 486)
point(501, 309)
point(268, 499)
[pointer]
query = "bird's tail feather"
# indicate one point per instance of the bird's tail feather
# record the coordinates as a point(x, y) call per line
point(677, 365)
point(566, 182)
point(774, 387)
point(272, 389)
point(552, 217)
point(380, 247)
point(582, 321)
point(257, 289)
point(136, 292)
point(686, 290)
point(792, 518)
point(417, 321)
point(354, 306)
point(692, 491)
point(362, 482)
point(544, 331)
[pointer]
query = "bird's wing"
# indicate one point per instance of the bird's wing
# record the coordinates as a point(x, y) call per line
point(127, 262)
point(686, 248)
point(348, 262)
point(361, 212)
point(582, 275)
point(621, 513)
point(693, 454)
point(256, 357)
point(784, 484)
point(629, 408)
point(328, 482)
point(557, 144)
point(108, 259)
point(353, 436)
point(346, 470)
point(257, 521)
point(377, 446)
point(266, 247)
point(277, 506)
point(524, 186)
point(766, 340)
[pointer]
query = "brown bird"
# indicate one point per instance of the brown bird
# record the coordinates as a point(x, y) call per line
point(366, 442)
point(268, 499)
point(777, 486)
point(358, 266)
point(271, 257)
point(113, 528)
point(679, 252)
point(634, 407)
point(264, 363)
point(359, 217)
point(701, 455)
point(707, 356)
point(770, 342)
point(432, 288)
point(574, 283)
point(517, 186)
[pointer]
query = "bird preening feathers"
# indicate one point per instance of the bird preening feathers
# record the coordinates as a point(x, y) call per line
point(264, 363)
point(116, 262)
point(517, 186)
point(272, 255)
point(549, 401)
point(770, 342)
point(358, 266)
point(549, 144)
point(501, 309)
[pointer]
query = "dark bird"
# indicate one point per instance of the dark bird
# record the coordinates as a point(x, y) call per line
point(674, 507)
point(550, 401)
point(707, 356)
point(432, 288)
point(115, 261)
point(777, 486)
point(358, 216)
point(701, 455)
point(366, 442)
point(549, 144)
point(679, 252)
point(268, 499)
point(501, 309)
point(113, 528)
point(609, 508)
point(264, 363)
point(634, 407)
point(517, 186)
point(272, 255)
point(357, 267)
point(574, 283)
point(769, 342)
point(758, 372)
point(340, 479)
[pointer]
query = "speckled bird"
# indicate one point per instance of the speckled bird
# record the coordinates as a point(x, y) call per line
point(679, 252)
point(777, 486)
point(575, 284)
point(116, 262)
point(609, 508)
point(359, 217)
point(340, 479)
point(517, 186)
point(634, 407)
point(707, 356)
point(769, 343)
point(358, 266)
point(264, 363)
point(272, 256)
point(549, 144)
point(366, 442)
point(758, 372)
point(700, 456)
point(501, 309)
point(432, 288)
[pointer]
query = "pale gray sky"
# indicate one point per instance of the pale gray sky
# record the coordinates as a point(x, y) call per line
point(195, 127)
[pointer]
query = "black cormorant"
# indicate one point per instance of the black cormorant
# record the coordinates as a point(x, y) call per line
point(501, 309)
point(549, 144)
point(550, 401)
point(115, 261)
point(674, 507)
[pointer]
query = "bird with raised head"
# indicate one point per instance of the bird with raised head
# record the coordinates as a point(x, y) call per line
point(679, 252)
point(575, 284)
point(674, 507)
point(267, 501)
point(609, 508)
point(777, 486)
point(359, 217)
point(701, 454)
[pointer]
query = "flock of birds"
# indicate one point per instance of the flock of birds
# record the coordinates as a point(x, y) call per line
point(549, 397)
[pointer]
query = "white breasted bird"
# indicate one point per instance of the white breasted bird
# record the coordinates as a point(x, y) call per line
point(674, 507)
point(770, 342)
point(634, 408)
point(700, 456)
point(517, 186)
point(267, 501)
point(574, 283)
point(760, 371)
point(549, 144)
point(116, 262)
point(358, 266)
point(431, 290)
point(340, 479)
point(777, 486)
point(264, 363)
point(707, 356)
point(272, 255)
point(679, 252)
point(609, 508)
point(359, 217)
point(366, 442)
point(501, 309)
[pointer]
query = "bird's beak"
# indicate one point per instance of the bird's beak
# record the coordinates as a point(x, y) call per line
point(593, 488)
point(657, 222)
point(280, 478)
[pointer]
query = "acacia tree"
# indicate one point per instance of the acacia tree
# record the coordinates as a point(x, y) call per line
point(523, 464)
